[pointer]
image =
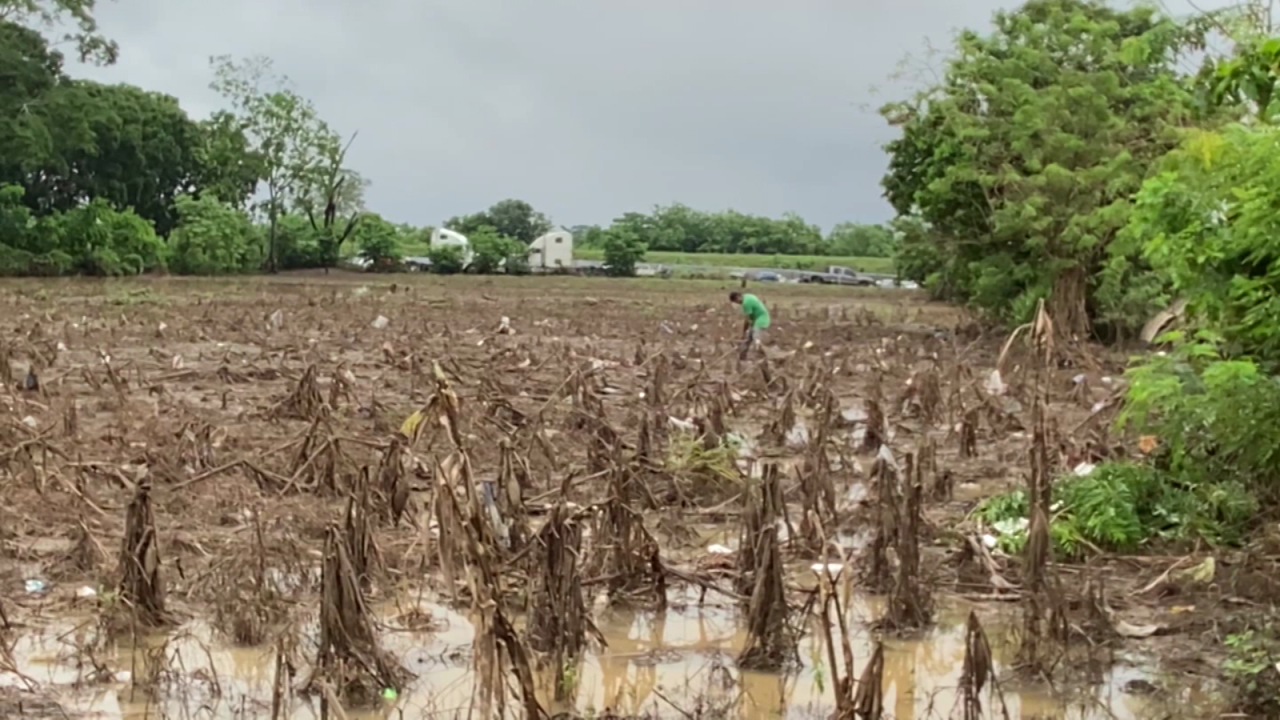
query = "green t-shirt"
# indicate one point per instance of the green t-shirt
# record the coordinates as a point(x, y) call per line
point(755, 310)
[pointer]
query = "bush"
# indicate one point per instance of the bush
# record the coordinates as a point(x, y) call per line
point(213, 239)
point(94, 239)
point(447, 259)
point(491, 251)
point(1207, 226)
point(622, 251)
point(1216, 418)
point(297, 243)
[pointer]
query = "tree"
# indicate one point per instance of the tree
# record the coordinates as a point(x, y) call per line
point(340, 191)
point(861, 240)
point(90, 44)
point(512, 218)
point(212, 238)
point(447, 259)
point(285, 130)
point(491, 250)
point(1024, 157)
point(622, 251)
point(380, 242)
point(228, 167)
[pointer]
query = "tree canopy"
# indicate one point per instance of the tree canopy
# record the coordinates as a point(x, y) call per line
point(1024, 158)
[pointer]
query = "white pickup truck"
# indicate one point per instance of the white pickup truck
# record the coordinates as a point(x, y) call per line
point(838, 275)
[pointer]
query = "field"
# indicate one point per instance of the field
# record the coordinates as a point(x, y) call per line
point(256, 498)
point(778, 262)
point(717, 260)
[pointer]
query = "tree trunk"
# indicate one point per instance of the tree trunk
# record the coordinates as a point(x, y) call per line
point(1067, 304)
point(271, 245)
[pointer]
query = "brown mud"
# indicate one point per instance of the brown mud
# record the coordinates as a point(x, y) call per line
point(191, 457)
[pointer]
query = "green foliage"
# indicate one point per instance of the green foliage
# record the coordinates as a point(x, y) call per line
point(515, 219)
point(1123, 506)
point(69, 142)
point(90, 44)
point(622, 251)
point(228, 167)
point(1252, 657)
point(93, 239)
point(1218, 421)
point(1208, 227)
point(491, 251)
point(298, 244)
point(299, 156)
point(862, 240)
point(447, 259)
point(213, 239)
point(381, 243)
point(683, 229)
point(1024, 158)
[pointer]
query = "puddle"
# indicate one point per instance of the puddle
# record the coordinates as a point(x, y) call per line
point(685, 657)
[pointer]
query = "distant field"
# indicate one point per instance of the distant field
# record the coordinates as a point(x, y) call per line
point(781, 262)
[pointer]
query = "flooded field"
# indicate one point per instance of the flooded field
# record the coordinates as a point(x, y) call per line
point(276, 498)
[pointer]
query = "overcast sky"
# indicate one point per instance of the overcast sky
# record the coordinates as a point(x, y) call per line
point(585, 108)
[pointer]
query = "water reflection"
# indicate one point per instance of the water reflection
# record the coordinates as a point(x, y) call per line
point(653, 661)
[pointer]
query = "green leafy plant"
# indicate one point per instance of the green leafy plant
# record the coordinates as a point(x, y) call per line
point(622, 251)
point(447, 259)
point(1253, 668)
point(213, 239)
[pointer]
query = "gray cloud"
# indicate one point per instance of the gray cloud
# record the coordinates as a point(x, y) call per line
point(585, 108)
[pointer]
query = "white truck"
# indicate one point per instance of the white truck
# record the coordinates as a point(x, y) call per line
point(838, 275)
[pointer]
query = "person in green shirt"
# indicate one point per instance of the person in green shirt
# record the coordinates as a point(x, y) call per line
point(757, 321)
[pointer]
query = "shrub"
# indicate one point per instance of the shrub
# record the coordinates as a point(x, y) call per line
point(297, 243)
point(490, 251)
point(447, 259)
point(622, 251)
point(213, 239)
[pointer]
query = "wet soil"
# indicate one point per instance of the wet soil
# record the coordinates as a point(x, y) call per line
point(185, 385)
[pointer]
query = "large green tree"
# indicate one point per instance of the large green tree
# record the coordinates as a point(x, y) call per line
point(67, 142)
point(90, 44)
point(286, 134)
point(1024, 158)
point(510, 218)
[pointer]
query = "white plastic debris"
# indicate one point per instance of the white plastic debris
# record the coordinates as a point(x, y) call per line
point(62, 347)
point(886, 455)
point(718, 549)
point(276, 320)
point(1078, 379)
point(686, 425)
point(86, 592)
point(35, 586)
point(380, 322)
point(989, 541)
point(1106, 380)
point(825, 569)
point(31, 422)
point(176, 362)
point(360, 291)
point(995, 384)
point(1084, 469)
point(162, 326)
point(504, 326)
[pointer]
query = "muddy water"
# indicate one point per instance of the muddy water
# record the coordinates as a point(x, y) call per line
point(683, 657)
